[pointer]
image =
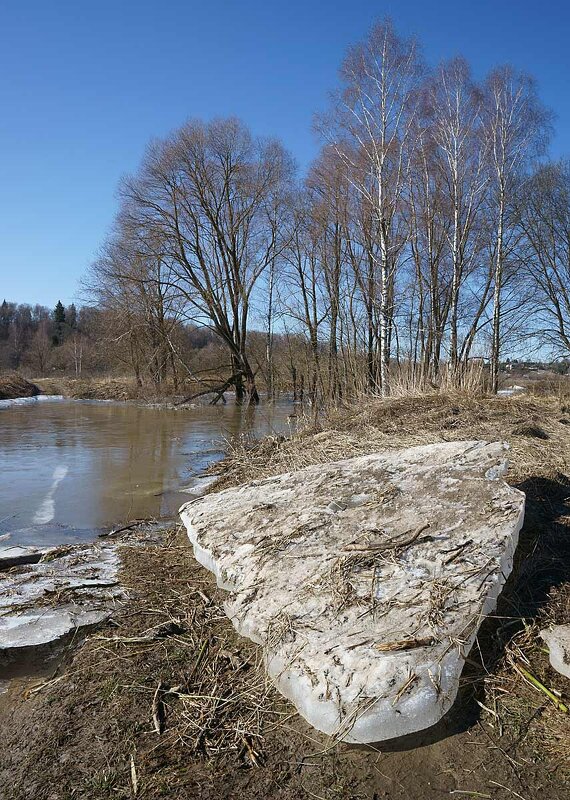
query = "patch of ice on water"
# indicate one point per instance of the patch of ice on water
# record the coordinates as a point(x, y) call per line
point(46, 511)
point(30, 401)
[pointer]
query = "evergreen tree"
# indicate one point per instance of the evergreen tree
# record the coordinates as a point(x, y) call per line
point(6, 314)
point(58, 323)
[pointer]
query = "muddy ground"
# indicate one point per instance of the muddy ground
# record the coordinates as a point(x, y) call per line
point(166, 701)
point(170, 661)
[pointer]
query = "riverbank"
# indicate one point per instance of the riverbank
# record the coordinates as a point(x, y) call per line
point(166, 700)
point(13, 386)
point(105, 388)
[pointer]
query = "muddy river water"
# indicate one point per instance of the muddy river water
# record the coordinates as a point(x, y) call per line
point(69, 468)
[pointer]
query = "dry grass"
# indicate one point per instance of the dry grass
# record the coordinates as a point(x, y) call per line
point(537, 429)
point(408, 379)
point(13, 385)
point(549, 386)
point(515, 704)
point(91, 388)
point(114, 388)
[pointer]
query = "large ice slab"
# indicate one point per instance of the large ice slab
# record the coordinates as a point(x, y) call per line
point(365, 580)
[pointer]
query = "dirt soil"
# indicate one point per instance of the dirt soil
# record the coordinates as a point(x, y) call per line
point(171, 661)
point(166, 701)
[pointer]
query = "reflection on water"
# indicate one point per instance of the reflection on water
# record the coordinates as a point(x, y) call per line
point(91, 465)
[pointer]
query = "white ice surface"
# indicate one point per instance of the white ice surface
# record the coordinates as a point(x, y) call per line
point(46, 510)
point(199, 485)
point(42, 602)
point(27, 401)
point(558, 640)
point(319, 574)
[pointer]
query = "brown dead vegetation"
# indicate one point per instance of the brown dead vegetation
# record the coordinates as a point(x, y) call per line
point(92, 388)
point(537, 429)
point(167, 701)
point(108, 388)
point(13, 386)
point(513, 697)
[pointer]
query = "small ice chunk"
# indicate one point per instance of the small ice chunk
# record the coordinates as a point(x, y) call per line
point(41, 602)
point(200, 485)
point(558, 640)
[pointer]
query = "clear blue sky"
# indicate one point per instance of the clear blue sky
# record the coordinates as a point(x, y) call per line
point(84, 85)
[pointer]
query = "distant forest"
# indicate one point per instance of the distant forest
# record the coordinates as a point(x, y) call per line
point(85, 342)
point(79, 342)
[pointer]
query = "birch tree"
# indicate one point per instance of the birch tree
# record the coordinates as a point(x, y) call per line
point(454, 105)
point(369, 127)
point(516, 128)
point(429, 289)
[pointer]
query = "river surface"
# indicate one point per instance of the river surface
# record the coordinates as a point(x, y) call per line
point(70, 468)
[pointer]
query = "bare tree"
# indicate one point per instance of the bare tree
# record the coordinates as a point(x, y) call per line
point(454, 105)
point(302, 295)
point(330, 218)
point(370, 130)
point(429, 292)
point(543, 213)
point(213, 194)
point(516, 126)
point(131, 281)
point(40, 350)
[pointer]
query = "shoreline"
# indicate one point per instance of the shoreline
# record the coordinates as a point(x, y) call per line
point(167, 692)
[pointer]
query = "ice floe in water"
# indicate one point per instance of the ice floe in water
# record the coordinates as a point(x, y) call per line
point(46, 511)
point(199, 485)
point(365, 580)
point(30, 401)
